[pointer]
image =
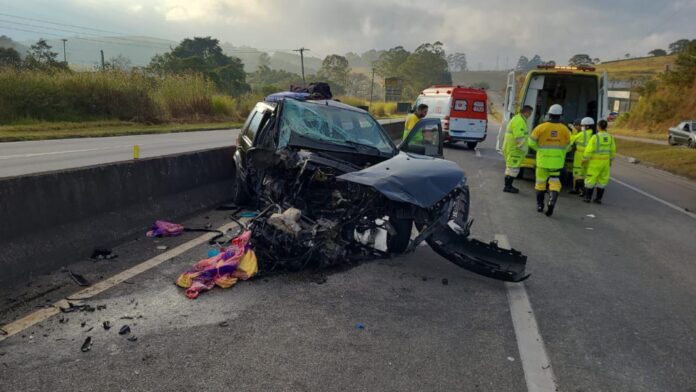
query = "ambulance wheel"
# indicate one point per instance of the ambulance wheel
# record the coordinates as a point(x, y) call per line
point(471, 145)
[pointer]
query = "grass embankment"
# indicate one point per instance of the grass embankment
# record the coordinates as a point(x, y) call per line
point(637, 69)
point(378, 109)
point(677, 160)
point(616, 130)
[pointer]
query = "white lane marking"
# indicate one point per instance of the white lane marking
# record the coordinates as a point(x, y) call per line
point(535, 362)
point(40, 315)
point(39, 154)
point(657, 199)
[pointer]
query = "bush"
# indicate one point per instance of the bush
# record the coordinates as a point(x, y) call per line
point(185, 95)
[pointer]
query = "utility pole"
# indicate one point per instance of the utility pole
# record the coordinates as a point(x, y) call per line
point(102, 58)
point(302, 50)
point(65, 55)
point(372, 88)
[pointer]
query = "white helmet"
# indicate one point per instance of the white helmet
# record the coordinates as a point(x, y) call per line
point(556, 110)
point(587, 121)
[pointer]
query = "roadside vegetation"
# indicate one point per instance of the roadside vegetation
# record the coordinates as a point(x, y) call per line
point(194, 86)
point(677, 160)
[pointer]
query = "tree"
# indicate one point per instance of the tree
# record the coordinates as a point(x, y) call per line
point(534, 62)
point(358, 85)
point(203, 55)
point(335, 70)
point(41, 57)
point(678, 46)
point(267, 80)
point(388, 63)
point(596, 60)
point(658, 52)
point(522, 64)
point(118, 63)
point(264, 59)
point(9, 57)
point(457, 62)
point(627, 55)
point(426, 66)
point(580, 59)
point(684, 71)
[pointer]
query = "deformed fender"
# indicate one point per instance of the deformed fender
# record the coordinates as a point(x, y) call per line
point(486, 259)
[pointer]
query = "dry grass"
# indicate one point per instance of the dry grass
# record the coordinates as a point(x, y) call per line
point(677, 160)
point(638, 69)
point(637, 133)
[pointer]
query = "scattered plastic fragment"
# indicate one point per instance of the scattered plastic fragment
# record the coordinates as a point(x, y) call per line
point(591, 216)
point(125, 330)
point(79, 279)
point(87, 345)
point(360, 326)
point(224, 324)
point(445, 281)
point(106, 325)
point(633, 160)
point(101, 307)
point(82, 324)
point(132, 338)
point(87, 330)
point(589, 228)
point(511, 359)
point(162, 247)
point(74, 308)
point(248, 214)
point(100, 253)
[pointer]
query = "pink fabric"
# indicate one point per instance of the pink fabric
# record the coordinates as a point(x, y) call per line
point(165, 229)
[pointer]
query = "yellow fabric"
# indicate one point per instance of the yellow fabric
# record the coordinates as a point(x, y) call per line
point(248, 267)
point(411, 122)
point(550, 176)
point(552, 142)
point(600, 147)
point(185, 280)
point(515, 143)
point(598, 172)
point(226, 281)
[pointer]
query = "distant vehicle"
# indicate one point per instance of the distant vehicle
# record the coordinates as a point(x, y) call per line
point(580, 90)
point(463, 112)
point(612, 116)
point(684, 133)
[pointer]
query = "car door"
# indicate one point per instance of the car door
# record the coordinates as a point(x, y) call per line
point(425, 138)
point(248, 133)
point(508, 109)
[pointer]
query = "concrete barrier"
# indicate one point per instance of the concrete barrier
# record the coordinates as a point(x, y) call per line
point(49, 219)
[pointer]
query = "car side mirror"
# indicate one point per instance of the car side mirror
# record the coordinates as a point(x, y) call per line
point(426, 138)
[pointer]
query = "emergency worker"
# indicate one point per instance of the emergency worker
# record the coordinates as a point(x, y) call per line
point(411, 121)
point(515, 146)
point(579, 141)
point(577, 127)
point(551, 140)
point(599, 154)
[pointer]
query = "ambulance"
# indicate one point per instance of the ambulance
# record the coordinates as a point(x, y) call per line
point(581, 91)
point(463, 112)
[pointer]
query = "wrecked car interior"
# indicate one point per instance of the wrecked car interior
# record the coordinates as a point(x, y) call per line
point(333, 189)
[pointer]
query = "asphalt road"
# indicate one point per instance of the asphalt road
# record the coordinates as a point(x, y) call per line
point(611, 292)
point(18, 158)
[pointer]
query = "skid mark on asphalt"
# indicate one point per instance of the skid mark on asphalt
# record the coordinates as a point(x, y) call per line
point(535, 362)
point(657, 199)
point(40, 315)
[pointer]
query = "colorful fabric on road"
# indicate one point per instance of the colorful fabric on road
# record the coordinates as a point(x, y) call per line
point(165, 229)
point(237, 262)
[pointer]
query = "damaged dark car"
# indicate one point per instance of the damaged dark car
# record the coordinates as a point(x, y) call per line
point(332, 188)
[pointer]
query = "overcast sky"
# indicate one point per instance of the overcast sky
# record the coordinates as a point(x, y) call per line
point(482, 29)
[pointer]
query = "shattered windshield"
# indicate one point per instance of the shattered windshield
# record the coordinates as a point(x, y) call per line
point(325, 123)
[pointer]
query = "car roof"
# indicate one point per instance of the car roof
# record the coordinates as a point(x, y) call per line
point(332, 103)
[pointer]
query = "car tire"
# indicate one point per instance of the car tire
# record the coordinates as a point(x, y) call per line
point(240, 194)
point(399, 242)
point(691, 144)
point(471, 145)
point(670, 141)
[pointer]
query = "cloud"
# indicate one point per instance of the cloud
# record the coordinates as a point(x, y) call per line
point(482, 29)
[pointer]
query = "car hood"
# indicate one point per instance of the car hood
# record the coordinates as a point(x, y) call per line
point(409, 178)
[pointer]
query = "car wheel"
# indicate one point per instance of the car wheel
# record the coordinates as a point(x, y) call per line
point(399, 242)
point(471, 145)
point(670, 141)
point(691, 144)
point(240, 195)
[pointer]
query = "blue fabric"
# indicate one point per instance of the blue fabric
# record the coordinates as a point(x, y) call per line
point(277, 97)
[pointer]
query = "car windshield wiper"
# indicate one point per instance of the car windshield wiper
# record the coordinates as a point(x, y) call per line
point(361, 146)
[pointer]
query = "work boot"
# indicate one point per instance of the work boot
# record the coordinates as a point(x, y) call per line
point(576, 188)
point(588, 195)
point(581, 187)
point(508, 185)
point(540, 200)
point(600, 194)
point(553, 198)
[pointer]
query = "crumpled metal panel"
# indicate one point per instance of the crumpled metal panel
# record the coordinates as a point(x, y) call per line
point(409, 178)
